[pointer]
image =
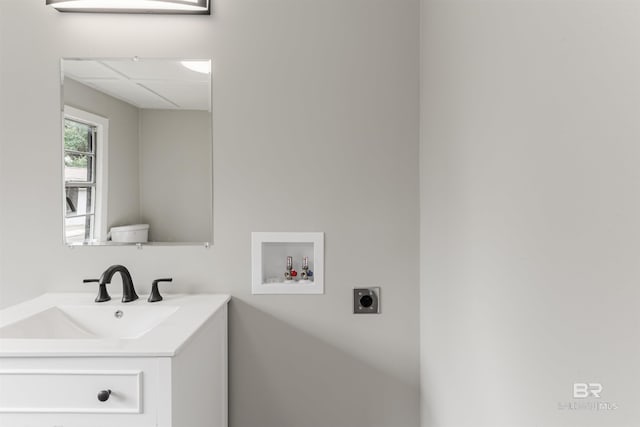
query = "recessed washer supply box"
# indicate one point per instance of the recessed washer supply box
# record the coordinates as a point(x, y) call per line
point(269, 252)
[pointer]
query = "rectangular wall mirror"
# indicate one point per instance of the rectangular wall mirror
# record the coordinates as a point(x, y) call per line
point(137, 151)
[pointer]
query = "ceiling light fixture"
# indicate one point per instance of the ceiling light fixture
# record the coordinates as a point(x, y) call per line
point(199, 7)
point(203, 67)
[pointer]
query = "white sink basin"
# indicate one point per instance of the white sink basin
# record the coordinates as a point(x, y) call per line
point(71, 324)
point(51, 323)
point(88, 321)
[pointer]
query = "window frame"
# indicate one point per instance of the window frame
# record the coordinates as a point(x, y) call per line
point(100, 172)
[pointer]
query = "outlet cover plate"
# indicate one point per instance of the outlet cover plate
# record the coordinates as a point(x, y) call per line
point(366, 300)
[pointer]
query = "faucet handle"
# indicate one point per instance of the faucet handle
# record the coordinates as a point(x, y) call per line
point(102, 290)
point(155, 296)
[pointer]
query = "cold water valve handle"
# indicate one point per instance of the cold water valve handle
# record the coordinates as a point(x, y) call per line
point(306, 273)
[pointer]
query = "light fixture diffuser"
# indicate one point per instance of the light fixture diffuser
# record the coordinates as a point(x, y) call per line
point(197, 7)
point(203, 67)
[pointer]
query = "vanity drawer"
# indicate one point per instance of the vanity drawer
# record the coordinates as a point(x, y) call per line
point(63, 391)
point(70, 391)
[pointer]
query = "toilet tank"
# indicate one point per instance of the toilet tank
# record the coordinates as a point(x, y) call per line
point(137, 233)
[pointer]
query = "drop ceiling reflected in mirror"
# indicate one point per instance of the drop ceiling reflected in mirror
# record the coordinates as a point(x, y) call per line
point(158, 84)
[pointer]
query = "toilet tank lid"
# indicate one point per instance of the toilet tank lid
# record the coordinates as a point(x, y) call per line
point(134, 227)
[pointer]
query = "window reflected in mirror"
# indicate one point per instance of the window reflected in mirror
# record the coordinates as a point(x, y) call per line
point(79, 180)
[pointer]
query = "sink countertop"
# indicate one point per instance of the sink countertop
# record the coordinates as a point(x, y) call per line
point(166, 339)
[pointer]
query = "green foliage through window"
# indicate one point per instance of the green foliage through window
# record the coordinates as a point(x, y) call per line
point(77, 137)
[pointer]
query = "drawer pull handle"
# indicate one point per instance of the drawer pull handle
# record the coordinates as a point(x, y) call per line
point(103, 396)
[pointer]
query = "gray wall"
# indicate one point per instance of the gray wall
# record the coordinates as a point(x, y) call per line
point(530, 211)
point(175, 174)
point(327, 88)
point(124, 195)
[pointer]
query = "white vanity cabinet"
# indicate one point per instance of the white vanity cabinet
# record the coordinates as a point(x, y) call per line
point(183, 388)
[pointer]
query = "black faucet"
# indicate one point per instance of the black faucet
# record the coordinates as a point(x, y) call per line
point(128, 292)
